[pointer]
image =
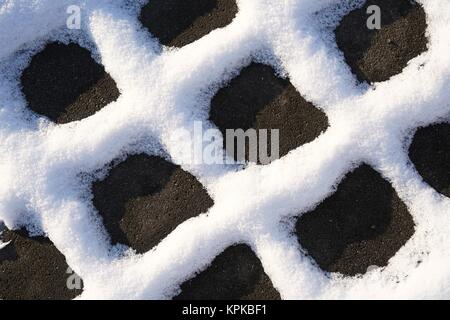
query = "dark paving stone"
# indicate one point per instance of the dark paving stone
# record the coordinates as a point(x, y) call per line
point(145, 198)
point(235, 274)
point(363, 223)
point(377, 55)
point(65, 84)
point(177, 23)
point(258, 99)
point(32, 268)
point(430, 153)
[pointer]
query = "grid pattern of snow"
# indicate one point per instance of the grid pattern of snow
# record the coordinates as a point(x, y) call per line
point(163, 90)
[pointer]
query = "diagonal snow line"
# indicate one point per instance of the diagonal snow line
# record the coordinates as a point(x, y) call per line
point(116, 35)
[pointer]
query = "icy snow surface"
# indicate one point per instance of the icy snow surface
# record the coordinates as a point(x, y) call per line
point(164, 90)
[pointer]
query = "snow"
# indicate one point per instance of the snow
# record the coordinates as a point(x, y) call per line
point(3, 244)
point(164, 90)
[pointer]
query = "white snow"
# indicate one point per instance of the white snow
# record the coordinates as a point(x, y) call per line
point(163, 90)
point(3, 244)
